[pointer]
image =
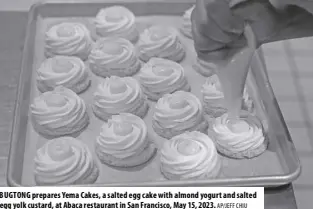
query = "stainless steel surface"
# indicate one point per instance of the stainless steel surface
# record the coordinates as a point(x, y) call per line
point(281, 143)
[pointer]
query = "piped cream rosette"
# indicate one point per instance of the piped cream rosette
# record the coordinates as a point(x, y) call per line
point(114, 57)
point(59, 112)
point(116, 21)
point(191, 155)
point(67, 71)
point(65, 161)
point(69, 39)
point(160, 41)
point(161, 76)
point(116, 95)
point(123, 141)
point(186, 28)
point(177, 113)
point(213, 98)
point(239, 138)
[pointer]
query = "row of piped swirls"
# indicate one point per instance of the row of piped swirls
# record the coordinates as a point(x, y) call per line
point(75, 39)
point(188, 155)
point(122, 141)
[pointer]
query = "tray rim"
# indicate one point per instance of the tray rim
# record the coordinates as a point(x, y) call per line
point(272, 180)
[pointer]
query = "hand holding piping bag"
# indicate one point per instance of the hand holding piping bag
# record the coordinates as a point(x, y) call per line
point(227, 32)
point(218, 25)
point(233, 64)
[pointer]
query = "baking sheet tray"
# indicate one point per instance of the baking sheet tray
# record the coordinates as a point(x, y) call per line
point(278, 165)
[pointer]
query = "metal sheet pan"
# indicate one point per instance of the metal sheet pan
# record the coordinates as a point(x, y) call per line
point(278, 165)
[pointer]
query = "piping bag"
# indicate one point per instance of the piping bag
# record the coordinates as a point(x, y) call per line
point(233, 72)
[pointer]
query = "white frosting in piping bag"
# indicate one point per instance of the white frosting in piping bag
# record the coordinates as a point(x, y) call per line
point(214, 96)
point(233, 73)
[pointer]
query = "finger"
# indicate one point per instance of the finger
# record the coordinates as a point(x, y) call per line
point(215, 50)
point(215, 56)
point(239, 43)
point(203, 42)
point(206, 25)
point(250, 36)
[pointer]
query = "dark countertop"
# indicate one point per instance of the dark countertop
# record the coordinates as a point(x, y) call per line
point(12, 35)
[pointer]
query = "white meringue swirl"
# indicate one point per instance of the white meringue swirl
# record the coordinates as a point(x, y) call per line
point(61, 71)
point(115, 95)
point(68, 38)
point(186, 25)
point(191, 155)
point(211, 89)
point(179, 111)
point(239, 135)
point(160, 41)
point(123, 136)
point(64, 161)
point(116, 21)
point(112, 55)
point(161, 76)
point(213, 95)
point(58, 108)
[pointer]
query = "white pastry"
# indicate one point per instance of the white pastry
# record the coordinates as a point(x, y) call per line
point(213, 98)
point(114, 56)
point(186, 28)
point(117, 95)
point(205, 68)
point(65, 161)
point(124, 142)
point(191, 156)
point(176, 113)
point(68, 38)
point(59, 112)
point(161, 76)
point(160, 41)
point(70, 72)
point(116, 21)
point(240, 138)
